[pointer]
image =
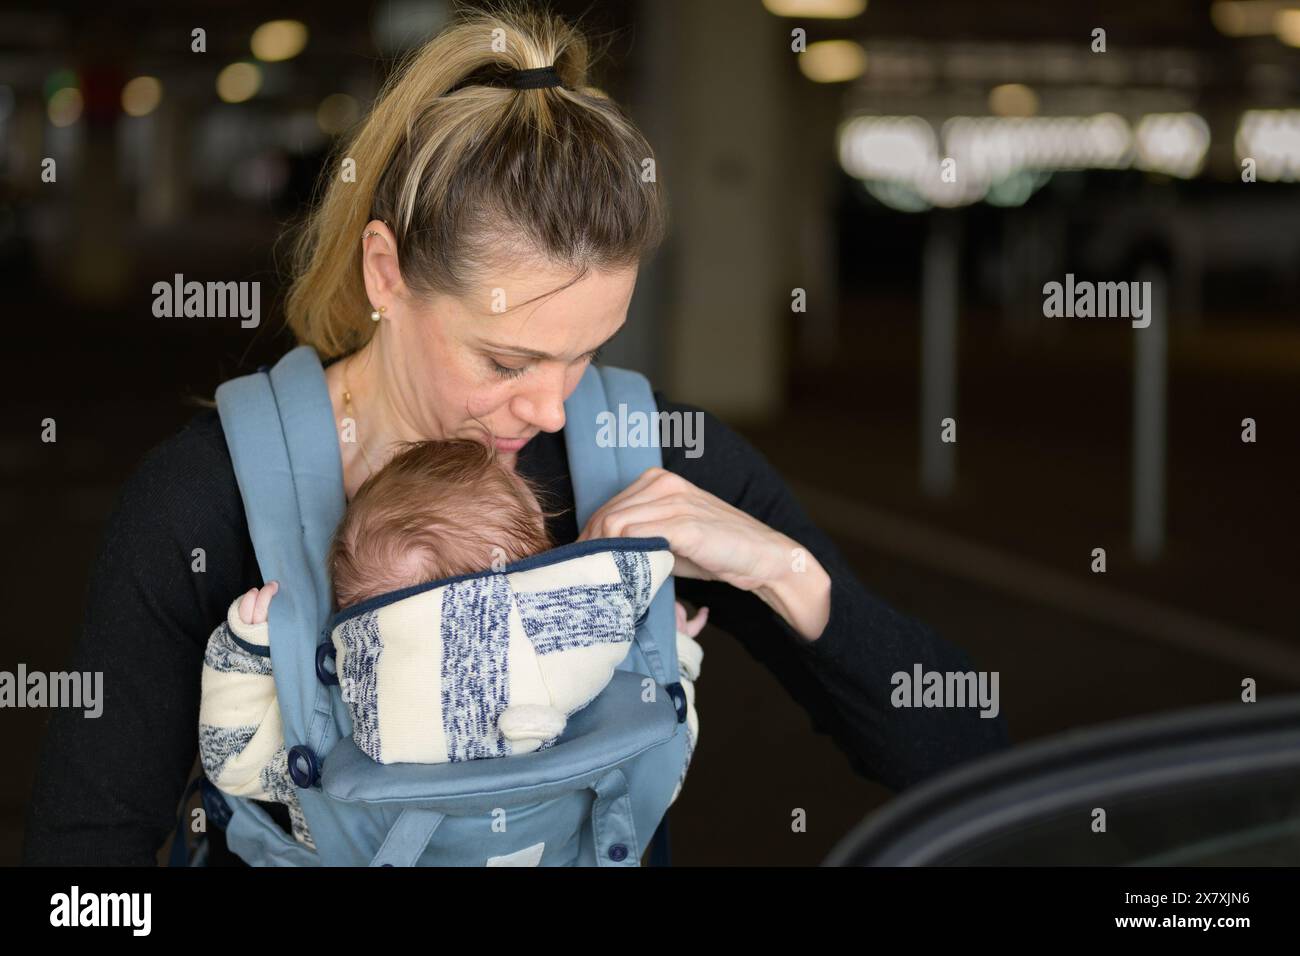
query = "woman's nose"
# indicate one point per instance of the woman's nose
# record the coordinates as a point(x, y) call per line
point(543, 406)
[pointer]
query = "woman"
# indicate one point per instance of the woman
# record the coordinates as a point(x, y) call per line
point(476, 244)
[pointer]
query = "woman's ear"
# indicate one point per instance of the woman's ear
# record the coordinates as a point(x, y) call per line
point(380, 266)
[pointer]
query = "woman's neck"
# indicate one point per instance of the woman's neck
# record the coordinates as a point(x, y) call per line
point(376, 425)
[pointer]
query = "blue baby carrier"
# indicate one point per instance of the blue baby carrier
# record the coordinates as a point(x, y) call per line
point(593, 798)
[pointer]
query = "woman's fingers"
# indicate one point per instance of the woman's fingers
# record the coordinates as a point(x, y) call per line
point(647, 515)
point(710, 539)
point(654, 483)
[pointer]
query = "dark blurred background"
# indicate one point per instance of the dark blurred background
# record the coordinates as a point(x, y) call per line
point(817, 171)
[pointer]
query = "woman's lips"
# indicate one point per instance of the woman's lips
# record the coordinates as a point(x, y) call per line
point(510, 444)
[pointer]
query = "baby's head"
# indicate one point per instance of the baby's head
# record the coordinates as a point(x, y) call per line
point(436, 510)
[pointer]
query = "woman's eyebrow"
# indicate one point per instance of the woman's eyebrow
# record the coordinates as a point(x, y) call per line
point(534, 353)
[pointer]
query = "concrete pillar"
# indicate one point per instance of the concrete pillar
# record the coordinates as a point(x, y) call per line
point(723, 71)
point(940, 279)
point(1150, 371)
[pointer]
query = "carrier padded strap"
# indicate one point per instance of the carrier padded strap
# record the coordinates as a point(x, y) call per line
point(280, 431)
point(599, 472)
point(302, 394)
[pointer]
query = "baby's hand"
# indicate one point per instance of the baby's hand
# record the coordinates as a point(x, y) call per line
point(692, 627)
point(256, 604)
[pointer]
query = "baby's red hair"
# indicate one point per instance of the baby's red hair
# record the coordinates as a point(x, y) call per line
point(436, 510)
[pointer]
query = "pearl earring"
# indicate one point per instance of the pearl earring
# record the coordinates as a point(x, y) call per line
point(378, 313)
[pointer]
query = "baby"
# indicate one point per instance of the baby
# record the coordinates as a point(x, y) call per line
point(437, 510)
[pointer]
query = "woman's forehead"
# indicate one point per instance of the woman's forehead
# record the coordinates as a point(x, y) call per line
point(526, 314)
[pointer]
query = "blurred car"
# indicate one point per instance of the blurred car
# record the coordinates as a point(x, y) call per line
point(1213, 786)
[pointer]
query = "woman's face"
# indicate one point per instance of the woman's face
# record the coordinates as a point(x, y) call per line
point(505, 357)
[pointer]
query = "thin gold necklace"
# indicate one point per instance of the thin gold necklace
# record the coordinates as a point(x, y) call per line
point(350, 412)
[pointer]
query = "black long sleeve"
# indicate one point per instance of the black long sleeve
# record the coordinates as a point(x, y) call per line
point(842, 679)
point(107, 789)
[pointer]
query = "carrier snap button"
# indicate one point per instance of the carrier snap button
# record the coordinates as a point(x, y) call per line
point(214, 804)
point(304, 769)
point(618, 853)
point(678, 693)
point(326, 654)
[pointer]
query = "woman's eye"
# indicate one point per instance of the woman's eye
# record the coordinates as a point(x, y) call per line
point(506, 371)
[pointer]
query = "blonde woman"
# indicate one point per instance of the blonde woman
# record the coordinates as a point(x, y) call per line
point(485, 250)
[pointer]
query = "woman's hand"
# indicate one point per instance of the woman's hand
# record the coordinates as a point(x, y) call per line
point(713, 541)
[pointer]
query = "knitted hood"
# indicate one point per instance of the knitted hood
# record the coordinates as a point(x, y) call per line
point(492, 663)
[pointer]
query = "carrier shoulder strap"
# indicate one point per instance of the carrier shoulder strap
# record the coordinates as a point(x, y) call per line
point(280, 429)
point(602, 465)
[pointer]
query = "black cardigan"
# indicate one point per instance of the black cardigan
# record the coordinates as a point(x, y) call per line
point(107, 789)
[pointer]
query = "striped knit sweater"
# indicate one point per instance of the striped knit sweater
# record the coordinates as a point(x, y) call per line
point(551, 675)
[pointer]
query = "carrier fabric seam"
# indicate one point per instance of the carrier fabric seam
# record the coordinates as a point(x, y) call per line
point(566, 552)
point(598, 772)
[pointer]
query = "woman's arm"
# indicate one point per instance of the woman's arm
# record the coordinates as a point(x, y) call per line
point(842, 678)
point(107, 789)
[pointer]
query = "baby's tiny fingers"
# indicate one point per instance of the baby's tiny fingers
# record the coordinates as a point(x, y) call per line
point(263, 606)
point(246, 606)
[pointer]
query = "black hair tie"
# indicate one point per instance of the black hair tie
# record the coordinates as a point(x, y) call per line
point(534, 79)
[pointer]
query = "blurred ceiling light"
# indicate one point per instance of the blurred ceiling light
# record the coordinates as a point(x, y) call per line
point(1016, 189)
point(994, 148)
point(1272, 139)
point(239, 82)
point(58, 80)
point(1287, 26)
point(64, 107)
point(897, 148)
point(833, 61)
point(901, 160)
point(1173, 143)
point(336, 113)
point(1013, 99)
point(820, 9)
point(141, 96)
point(279, 40)
point(1245, 18)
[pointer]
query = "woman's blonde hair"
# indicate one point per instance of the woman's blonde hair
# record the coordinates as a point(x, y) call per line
point(471, 174)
